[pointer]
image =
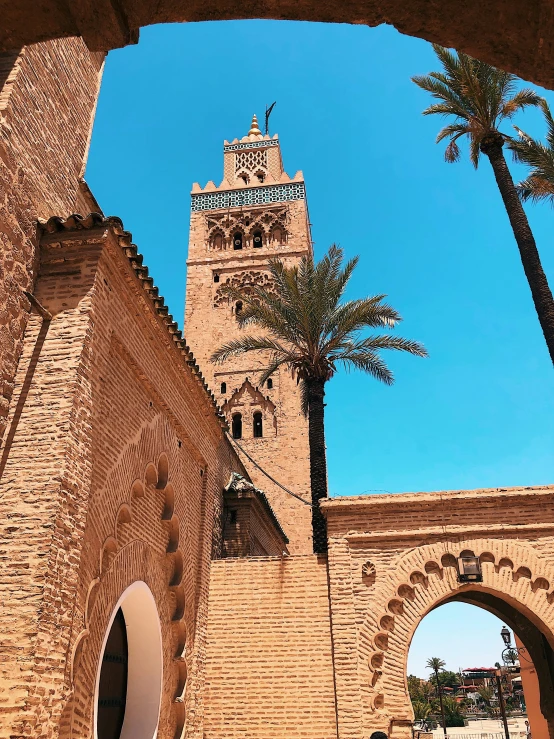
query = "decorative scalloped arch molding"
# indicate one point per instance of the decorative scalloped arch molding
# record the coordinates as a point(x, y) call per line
point(512, 571)
point(155, 480)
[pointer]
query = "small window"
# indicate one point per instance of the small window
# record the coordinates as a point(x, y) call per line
point(236, 426)
point(217, 241)
point(216, 278)
point(258, 239)
point(238, 307)
point(244, 178)
point(223, 388)
point(277, 236)
point(258, 428)
point(233, 516)
point(260, 176)
point(270, 384)
point(237, 240)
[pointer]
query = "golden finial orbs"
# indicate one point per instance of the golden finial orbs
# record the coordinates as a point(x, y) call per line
point(254, 128)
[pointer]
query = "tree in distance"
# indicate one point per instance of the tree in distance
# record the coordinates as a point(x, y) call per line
point(307, 327)
point(437, 665)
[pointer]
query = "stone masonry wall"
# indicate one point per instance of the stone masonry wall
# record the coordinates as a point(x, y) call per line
point(269, 670)
point(393, 558)
point(46, 109)
point(210, 321)
point(113, 473)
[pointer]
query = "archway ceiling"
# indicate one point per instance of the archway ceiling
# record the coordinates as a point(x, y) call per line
point(511, 34)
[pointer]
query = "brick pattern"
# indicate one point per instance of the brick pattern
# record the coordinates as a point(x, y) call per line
point(250, 528)
point(46, 109)
point(393, 558)
point(210, 322)
point(114, 474)
point(269, 669)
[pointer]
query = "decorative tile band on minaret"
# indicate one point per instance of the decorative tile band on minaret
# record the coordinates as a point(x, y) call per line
point(249, 196)
point(257, 213)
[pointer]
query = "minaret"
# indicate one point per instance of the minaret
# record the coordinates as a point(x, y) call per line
point(257, 212)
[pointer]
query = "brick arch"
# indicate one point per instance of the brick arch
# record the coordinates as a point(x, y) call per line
point(127, 551)
point(422, 579)
point(474, 28)
point(139, 528)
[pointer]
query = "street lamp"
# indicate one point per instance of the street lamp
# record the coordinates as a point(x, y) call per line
point(506, 636)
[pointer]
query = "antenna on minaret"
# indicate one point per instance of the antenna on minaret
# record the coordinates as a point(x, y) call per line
point(267, 114)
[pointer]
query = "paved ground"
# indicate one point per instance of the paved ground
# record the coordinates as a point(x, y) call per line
point(487, 727)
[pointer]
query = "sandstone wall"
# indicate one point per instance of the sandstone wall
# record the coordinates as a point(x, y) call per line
point(269, 670)
point(210, 321)
point(47, 101)
point(114, 474)
point(393, 558)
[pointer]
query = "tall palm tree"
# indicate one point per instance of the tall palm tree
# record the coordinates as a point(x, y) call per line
point(480, 98)
point(308, 328)
point(437, 665)
point(539, 157)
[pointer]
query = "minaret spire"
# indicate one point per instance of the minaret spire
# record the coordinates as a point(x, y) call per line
point(254, 129)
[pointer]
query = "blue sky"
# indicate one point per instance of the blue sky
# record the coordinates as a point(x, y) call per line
point(434, 237)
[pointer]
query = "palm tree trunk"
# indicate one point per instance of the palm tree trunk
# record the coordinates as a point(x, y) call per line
point(318, 463)
point(440, 699)
point(540, 290)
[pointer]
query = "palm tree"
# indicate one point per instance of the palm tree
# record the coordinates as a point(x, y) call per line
point(480, 98)
point(310, 330)
point(539, 157)
point(437, 665)
point(422, 709)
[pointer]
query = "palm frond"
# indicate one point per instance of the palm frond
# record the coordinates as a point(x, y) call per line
point(247, 344)
point(307, 326)
point(478, 96)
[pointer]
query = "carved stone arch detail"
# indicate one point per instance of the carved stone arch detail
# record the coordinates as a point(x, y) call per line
point(151, 496)
point(400, 602)
point(242, 281)
point(247, 393)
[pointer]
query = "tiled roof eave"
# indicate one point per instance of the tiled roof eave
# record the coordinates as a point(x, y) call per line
point(77, 222)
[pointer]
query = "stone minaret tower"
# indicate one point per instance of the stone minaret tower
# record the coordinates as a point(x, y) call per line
point(257, 212)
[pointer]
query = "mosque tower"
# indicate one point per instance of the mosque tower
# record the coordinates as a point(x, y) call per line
point(257, 212)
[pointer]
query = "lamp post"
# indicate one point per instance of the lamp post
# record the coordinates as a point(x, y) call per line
point(507, 639)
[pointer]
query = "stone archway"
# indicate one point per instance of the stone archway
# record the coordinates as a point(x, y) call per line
point(512, 35)
point(393, 559)
point(427, 578)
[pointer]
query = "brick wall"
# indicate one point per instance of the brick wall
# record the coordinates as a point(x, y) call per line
point(113, 473)
point(210, 322)
point(269, 671)
point(46, 108)
point(393, 558)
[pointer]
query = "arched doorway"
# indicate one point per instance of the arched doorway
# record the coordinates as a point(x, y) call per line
point(112, 690)
point(129, 677)
point(466, 670)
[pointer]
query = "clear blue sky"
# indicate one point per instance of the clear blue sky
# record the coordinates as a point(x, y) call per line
point(434, 237)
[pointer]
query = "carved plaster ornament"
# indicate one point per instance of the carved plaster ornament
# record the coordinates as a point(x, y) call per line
point(368, 569)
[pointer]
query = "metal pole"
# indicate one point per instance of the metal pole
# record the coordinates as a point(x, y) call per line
point(502, 706)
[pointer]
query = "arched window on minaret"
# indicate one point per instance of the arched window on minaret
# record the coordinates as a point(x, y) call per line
point(270, 384)
point(258, 239)
point(237, 240)
point(277, 235)
point(238, 307)
point(236, 426)
point(217, 241)
point(223, 388)
point(258, 425)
